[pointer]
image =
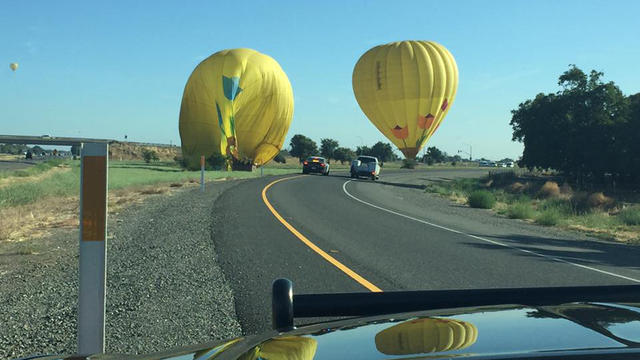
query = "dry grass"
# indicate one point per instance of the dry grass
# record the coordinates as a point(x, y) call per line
point(550, 189)
point(599, 201)
point(36, 220)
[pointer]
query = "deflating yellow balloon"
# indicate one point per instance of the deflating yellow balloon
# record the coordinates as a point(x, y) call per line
point(13, 66)
point(238, 103)
point(426, 336)
point(406, 88)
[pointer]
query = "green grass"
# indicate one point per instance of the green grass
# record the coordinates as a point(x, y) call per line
point(482, 199)
point(549, 217)
point(630, 216)
point(520, 210)
point(121, 175)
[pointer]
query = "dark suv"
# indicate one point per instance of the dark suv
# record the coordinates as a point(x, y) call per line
point(315, 164)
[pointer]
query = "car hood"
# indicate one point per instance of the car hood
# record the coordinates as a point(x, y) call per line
point(509, 331)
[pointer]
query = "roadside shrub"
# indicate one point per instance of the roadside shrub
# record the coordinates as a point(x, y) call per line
point(502, 178)
point(550, 189)
point(630, 216)
point(562, 206)
point(566, 189)
point(216, 162)
point(409, 164)
point(280, 159)
point(149, 155)
point(482, 199)
point(520, 210)
point(599, 201)
point(549, 217)
point(517, 187)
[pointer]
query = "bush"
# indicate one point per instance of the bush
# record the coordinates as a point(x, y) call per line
point(482, 199)
point(520, 210)
point(501, 178)
point(216, 162)
point(630, 215)
point(550, 189)
point(517, 187)
point(409, 164)
point(549, 217)
point(562, 206)
point(280, 159)
point(149, 155)
point(599, 201)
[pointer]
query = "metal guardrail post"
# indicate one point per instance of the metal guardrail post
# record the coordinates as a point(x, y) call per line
point(93, 247)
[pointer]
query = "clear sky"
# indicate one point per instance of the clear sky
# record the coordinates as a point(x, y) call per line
point(109, 68)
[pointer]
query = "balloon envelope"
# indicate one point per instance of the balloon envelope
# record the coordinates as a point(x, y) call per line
point(13, 66)
point(426, 335)
point(237, 103)
point(406, 88)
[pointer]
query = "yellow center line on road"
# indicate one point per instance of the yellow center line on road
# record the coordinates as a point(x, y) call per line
point(362, 281)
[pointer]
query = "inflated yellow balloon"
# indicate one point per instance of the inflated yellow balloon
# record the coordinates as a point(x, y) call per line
point(13, 66)
point(284, 348)
point(406, 88)
point(426, 335)
point(238, 103)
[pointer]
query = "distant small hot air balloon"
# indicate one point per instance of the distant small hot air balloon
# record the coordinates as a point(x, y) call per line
point(406, 88)
point(13, 66)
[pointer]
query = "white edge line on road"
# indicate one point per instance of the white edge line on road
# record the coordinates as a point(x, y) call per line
point(344, 188)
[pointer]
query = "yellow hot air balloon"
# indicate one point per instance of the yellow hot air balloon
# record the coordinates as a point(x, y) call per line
point(284, 348)
point(238, 103)
point(13, 66)
point(406, 88)
point(426, 335)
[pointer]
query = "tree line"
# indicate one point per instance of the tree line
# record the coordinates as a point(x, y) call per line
point(302, 147)
point(588, 130)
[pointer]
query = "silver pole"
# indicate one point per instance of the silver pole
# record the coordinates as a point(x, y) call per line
point(93, 247)
point(202, 173)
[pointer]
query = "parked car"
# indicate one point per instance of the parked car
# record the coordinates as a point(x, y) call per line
point(315, 164)
point(366, 166)
point(483, 163)
point(510, 164)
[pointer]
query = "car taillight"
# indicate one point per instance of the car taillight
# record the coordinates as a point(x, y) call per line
point(306, 163)
point(373, 173)
point(322, 165)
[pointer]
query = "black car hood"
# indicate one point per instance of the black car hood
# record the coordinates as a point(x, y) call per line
point(504, 331)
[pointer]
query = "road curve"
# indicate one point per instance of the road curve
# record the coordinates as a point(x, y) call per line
point(394, 236)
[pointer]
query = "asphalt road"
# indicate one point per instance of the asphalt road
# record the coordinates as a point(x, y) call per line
point(394, 237)
point(15, 165)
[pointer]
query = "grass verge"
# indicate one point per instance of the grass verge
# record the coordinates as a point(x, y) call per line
point(541, 200)
point(33, 204)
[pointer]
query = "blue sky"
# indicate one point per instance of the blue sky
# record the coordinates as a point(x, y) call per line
point(106, 69)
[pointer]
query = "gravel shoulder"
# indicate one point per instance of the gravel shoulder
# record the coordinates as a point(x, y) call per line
point(165, 288)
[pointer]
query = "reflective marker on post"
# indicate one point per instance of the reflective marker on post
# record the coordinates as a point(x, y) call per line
point(93, 247)
point(202, 173)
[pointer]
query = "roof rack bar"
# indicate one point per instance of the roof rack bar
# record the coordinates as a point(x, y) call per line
point(369, 304)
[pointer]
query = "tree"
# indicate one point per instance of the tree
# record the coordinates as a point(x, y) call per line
point(328, 148)
point(363, 150)
point(433, 155)
point(383, 151)
point(280, 159)
point(302, 147)
point(343, 154)
point(149, 155)
point(579, 130)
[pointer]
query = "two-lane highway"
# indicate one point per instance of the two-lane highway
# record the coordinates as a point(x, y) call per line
point(334, 234)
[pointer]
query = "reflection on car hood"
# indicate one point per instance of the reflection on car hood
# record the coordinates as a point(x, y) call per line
point(467, 332)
